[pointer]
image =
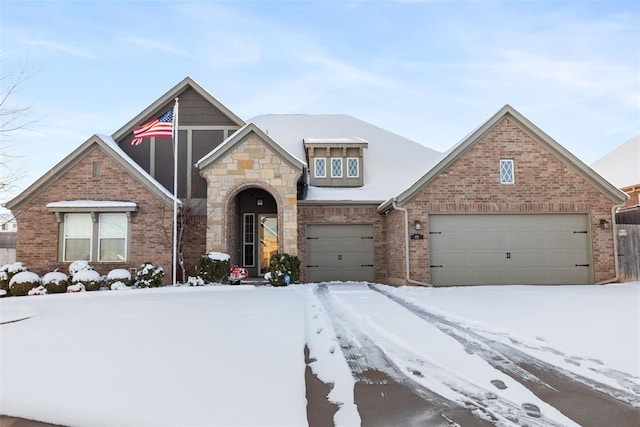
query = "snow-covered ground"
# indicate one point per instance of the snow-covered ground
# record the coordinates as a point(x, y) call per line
point(233, 355)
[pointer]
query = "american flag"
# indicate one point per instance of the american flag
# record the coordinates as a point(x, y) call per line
point(162, 126)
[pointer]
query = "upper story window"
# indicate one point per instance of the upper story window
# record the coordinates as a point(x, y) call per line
point(336, 162)
point(506, 171)
point(353, 167)
point(336, 168)
point(320, 168)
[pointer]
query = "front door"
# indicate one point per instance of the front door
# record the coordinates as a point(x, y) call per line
point(268, 239)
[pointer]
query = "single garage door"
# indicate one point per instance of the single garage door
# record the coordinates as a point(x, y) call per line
point(498, 249)
point(340, 252)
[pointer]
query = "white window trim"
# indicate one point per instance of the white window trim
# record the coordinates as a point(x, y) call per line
point(244, 239)
point(64, 238)
point(357, 160)
point(341, 167)
point(315, 167)
point(126, 238)
point(513, 172)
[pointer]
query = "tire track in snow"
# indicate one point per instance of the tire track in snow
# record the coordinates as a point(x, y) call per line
point(384, 394)
point(544, 379)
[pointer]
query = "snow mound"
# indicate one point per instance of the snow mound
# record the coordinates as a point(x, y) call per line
point(77, 266)
point(78, 287)
point(119, 286)
point(86, 275)
point(24, 277)
point(219, 256)
point(40, 290)
point(54, 277)
point(119, 274)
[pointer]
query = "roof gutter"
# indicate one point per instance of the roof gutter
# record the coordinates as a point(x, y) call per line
point(614, 230)
point(395, 206)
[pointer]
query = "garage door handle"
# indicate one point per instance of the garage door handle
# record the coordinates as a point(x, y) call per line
point(436, 266)
point(582, 265)
point(309, 266)
point(580, 232)
point(366, 265)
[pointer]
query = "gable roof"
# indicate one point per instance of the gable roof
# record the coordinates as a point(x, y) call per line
point(549, 143)
point(621, 166)
point(391, 162)
point(235, 139)
point(167, 98)
point(108, 145)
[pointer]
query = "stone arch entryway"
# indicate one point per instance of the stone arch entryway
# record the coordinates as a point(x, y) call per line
point(253, 232)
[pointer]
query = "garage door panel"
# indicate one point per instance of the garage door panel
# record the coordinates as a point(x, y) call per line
point(504, 249)
point(343, 252)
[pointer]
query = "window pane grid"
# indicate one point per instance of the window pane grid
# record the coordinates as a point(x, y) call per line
point(77, 237)
point(506, 171)
point(336, 168)
point(112, 237)
point(352, 168)
point(320, 168)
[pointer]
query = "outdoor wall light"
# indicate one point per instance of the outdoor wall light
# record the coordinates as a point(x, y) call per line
point(604, 224)
point(260, 202)
point(417, 225)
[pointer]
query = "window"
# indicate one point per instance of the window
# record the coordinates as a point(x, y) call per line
point(249, 240)
point(336, 168)
point(78, 230)
point(112, 237)
point(320, 168)
point(353, 169)
point(506, 171)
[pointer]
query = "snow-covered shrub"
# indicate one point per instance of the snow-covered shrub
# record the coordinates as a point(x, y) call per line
point(77, 266)
point(195, 281)
point(21, 283)
point(7, 271)
point(284, 269)
point(118, 286)
point(118, 275)
point(214, 267)
point(39, 290)
point(90, 279)
point(76, 287)
point(55, 282)
point(149, 276)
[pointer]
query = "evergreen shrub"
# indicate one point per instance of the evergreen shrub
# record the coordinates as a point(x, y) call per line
point(284, 269)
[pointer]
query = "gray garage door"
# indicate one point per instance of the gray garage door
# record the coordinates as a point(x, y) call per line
point(509, 249)
point(339, 252)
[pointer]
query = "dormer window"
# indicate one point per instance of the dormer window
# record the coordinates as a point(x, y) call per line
point(336, 168)
point(320, 168)
point(336, 162)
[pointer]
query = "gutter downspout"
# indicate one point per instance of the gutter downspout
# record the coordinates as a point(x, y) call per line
point(406, 242)
point(614, 230)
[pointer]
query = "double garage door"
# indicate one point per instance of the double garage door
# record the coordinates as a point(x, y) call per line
point(340, 252)
point(509, 249)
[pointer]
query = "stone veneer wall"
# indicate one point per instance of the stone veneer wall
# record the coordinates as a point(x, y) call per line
point(251, 163)
point(37, 244)
point(543, 184)
point(319, 214)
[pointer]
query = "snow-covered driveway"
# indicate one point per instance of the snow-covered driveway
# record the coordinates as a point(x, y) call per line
point(234, 355)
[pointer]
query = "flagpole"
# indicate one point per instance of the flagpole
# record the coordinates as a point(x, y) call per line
point(175, 191)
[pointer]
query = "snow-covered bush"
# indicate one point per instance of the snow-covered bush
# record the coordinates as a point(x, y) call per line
point(7, 271)
point(118, 286)
point(90, 279)
point(284, 269)
point(21, 283)
point(76, 287)
point(39, 290)
point(149, 276)
point(214, 267)
point(195, 281)
point(77, 266)
point(118, 275)
point(55, 282)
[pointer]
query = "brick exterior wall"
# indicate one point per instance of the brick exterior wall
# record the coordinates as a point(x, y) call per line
point(634, 196)
point(344, 215)
point(251, 163)
point(543, 184)
point(37, 244)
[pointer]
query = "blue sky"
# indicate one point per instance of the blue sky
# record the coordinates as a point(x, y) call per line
point(431, 71)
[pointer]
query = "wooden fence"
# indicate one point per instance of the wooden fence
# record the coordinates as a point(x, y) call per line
point(629, 252)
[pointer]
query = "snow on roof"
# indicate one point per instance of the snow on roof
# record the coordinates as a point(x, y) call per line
point(115, 147)
point(65, 204)
point(391, 162)
point(335, 141)
point(621, 166)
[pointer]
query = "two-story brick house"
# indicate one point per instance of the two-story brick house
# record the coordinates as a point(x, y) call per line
point(354, 202)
